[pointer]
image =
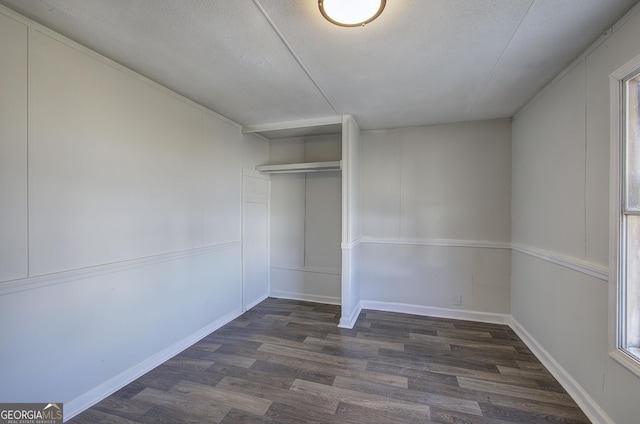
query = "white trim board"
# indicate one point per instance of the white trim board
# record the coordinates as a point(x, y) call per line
point(437, 242)
point(351, 321)
point(95, 395)
point(434, 311)
point(351, 245)
point(575, 390)
point(592, 269)
point(39, 281)
point(588, 268)
point(311, 269)
point(256, 302)
point(317, 298)
point(617, 257)
point(303, 123)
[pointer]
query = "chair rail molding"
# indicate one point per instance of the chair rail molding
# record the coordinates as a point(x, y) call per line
point(595, 270)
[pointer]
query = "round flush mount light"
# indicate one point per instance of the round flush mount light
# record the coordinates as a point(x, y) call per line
point(351, 13)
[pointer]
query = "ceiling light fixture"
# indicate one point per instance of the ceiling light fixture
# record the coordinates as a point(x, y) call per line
point(351, 13)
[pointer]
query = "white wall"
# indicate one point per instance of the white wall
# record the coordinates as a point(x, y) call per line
point(306, 221)
point(435, 216)
point(560, 224)
point(125, 245)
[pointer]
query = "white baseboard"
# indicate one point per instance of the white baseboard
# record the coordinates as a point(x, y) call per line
point(575, 390)
point(349, 322)
point(306, 297)
point(95, 395)
point(256, 302)
point(434, 311)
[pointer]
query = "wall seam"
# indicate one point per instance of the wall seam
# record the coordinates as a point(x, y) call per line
point(483, 89)
point(202, 176)
point(41, 29)
point(294, 55)
point(28, 155)
point(586, 153)
point(306, 206)
point(400, 142)
point(243, 274)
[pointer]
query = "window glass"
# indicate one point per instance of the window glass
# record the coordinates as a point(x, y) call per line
point(632, 131)
point(629, 302)
point(632, 289)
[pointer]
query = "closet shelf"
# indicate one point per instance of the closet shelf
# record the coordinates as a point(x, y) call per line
point(335, 165)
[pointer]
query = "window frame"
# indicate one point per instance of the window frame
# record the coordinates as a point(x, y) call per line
point(617, 230)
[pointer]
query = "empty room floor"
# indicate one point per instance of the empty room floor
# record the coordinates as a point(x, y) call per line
point(287, 361)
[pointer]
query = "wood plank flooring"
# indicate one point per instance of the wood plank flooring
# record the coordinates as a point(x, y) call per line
point(287, 362)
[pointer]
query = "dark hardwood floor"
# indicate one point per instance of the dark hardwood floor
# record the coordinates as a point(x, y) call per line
point(287, 361)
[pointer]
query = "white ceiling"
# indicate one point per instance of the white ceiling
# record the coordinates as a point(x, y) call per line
point(262, 61)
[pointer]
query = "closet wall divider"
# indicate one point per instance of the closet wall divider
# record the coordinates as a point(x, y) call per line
point(313, 203)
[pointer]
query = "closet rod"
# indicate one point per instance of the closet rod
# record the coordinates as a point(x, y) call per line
point(300, 167)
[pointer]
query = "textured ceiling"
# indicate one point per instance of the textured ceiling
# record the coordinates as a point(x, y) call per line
point(262, 61)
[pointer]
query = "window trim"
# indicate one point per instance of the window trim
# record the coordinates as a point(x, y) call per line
point(616, 187)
